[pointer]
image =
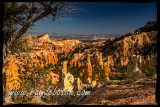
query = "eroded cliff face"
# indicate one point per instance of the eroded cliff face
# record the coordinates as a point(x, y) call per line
point(66, 45)
point(75, 61)
point(17, 62)
point(86, 63)
point(134, 41)
point(128, 46)
point(10, 75)
point(43, 52)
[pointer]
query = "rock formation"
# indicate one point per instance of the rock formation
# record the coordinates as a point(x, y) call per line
point(67, 81)
point(75, 60)
point(64, 69)
point(149, 62)
point(88, 70)
point(137, 64)
point(133, 64)
point(98, 59)
point(110, 60)
point(55, 77)
point(44, 37)
point(10, 75)
point(77, 84)
point(107, 70)
point(134, 40)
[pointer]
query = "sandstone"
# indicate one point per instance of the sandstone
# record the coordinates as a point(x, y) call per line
point(64, 69)
point(67, 81)
point(77, 84)
point(88, 70)
point(10, 75)
point(107, 70)
point(149, 62)
point(88, 81)
point(93, 84)
point(110, 60)
point(98, 59)
point(133, 65)
point(44, 37)
point(55, 77)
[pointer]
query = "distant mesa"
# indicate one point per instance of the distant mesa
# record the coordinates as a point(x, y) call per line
point(44, 37)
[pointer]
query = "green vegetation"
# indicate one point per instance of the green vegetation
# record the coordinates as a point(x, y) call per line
point(19, 17)
point(120, 72)
point(75, 72)
point(110, 42)
point(150, 26)
point(48, 66)
point(61, 57)
point(149, 49)
point(100, 72)
point(35, 78)
point(91, 41)
point(20, 45)
point(150, 72)
point(130, 76)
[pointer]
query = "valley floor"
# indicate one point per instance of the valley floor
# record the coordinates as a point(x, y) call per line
point(141, 92)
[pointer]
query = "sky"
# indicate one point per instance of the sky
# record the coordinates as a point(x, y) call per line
point(101, 18)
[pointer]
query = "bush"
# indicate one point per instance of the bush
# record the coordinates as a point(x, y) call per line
point(48, 66)
point(150, 71)
point(20, 45)
point(130, 76)
point(97, 70)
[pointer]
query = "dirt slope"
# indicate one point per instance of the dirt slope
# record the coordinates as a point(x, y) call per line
point(139, 93)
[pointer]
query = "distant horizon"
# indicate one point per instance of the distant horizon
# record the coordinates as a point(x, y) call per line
point(109, 18)
point(71, 33)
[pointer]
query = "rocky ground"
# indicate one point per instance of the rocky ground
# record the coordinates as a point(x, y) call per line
point(141, 92)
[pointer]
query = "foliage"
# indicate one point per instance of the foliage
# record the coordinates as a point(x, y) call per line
point(120, 72)
point(20, 16)
point(110, 42)
point(130, 76)
point(150, 71)
point(48, 66)
point(150, 26)
point(35, 78)
point(20, 45)
point(100, 72)
point(61, 57)
point(149, 49)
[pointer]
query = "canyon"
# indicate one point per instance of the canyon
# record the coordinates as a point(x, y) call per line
point(72, 63)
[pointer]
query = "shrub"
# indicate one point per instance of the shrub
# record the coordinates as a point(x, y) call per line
point(150, 71)
point(98, 70)
point(20, 45)
point(48, 66)
point(130, 76)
